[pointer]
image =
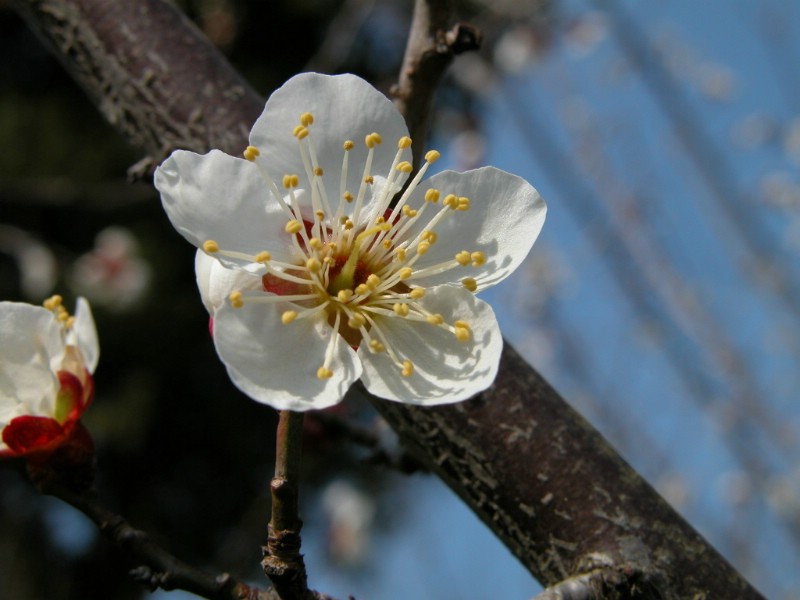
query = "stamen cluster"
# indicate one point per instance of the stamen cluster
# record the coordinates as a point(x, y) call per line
point(354, 265)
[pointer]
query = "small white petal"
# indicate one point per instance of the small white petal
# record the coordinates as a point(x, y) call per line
point(32, 347)
point(345, 107)
point(445, 369)
point(505, 217)
point(216, 282)
point(85, 334)
point(277, 364)
point(218, 197)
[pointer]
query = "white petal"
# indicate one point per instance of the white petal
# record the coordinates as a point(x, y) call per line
point(505, 217)
point(345, 107)
point(218, 197)
point(85, 334)
point(32, 345)
point(216, 282)
point(277, 364)
point(445, 370)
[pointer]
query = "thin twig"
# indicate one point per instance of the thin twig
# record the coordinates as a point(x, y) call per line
point(432, 45)
point(283, 563)
point(157, 567)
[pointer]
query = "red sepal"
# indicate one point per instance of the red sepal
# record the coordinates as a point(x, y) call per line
point(27, 435)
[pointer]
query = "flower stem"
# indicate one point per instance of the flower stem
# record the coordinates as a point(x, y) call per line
point(282, 562)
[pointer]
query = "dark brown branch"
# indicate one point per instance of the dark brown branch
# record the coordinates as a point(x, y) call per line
point(432, 45)
point(603, 584)
point(157, 567)
point(555, 492)
point(161, 93)
point(538, 474)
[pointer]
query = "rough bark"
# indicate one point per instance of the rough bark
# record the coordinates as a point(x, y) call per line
point(537, 473)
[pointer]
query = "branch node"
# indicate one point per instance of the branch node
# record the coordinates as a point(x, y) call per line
point(463, 37)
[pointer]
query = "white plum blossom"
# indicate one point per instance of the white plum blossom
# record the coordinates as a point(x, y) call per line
point(322, 263)
point(46, 363)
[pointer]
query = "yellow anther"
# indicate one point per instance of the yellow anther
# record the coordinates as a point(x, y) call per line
point(369, 179)
point(470, 284)
point(328, 260)
point(387, 243)
point(210, 246)
point(478, 259)
point(320, 214)
point(376, 346)
point(293, 226)
point(324, 373)
point(361, 289)
point(423, 247)
point(288, 316)
point(401, 254)
point(462, 332)
point(463, 203)
point(432, 195)
point(53, 302)
point(417, 293)
point(404, 142)
point(430, 236)
point(307, 118)
point(343, 219)
point(463, 258)
point(251, 153)
point(451, 200)
point(380, 220)
point(405, 167)
point(236, 299)
point(373, 281)
point(357, 321)
point(263, 257)
point(348, 225)
point(291, 181)
point(432, 156)
point(409, 212)
point(348, 197)
point(300, 132)
point(316, 243)
point(405, 273)
point(408, 368)
point(348, 145)
point(62, 314)
point(313, 265)
point(436, 319)
point(344, 295)
point(70, 323)
point(318, 171)
point(400, 309)
point(372, 140)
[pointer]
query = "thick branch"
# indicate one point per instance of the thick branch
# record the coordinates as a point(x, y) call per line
point(538, 474)
point(160, 91)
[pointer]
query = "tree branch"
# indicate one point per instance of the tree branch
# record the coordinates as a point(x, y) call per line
point(158, 568)
point(538, 474)
point(283, 563)
point(432, 45)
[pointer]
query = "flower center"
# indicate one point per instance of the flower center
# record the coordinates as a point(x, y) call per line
point(353, 270)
